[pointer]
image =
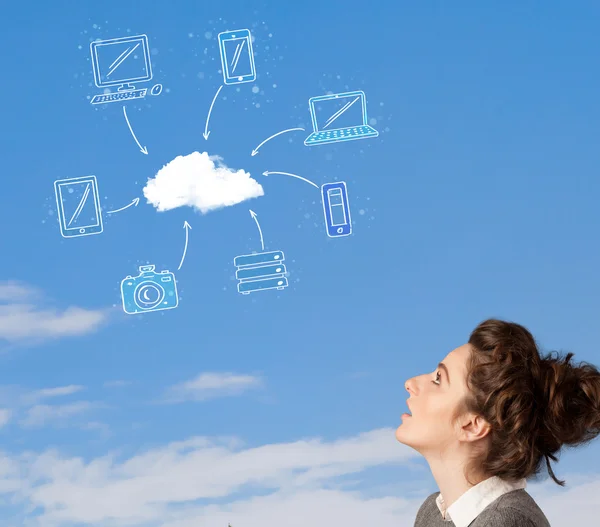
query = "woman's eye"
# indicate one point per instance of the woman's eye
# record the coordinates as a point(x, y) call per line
point(437, 378)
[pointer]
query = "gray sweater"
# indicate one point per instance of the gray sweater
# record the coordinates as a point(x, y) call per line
point(513, 509)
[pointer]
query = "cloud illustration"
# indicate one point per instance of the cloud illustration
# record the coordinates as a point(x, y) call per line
point(201, 181)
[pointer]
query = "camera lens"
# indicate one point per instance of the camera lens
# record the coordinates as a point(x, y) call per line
point(148, 295)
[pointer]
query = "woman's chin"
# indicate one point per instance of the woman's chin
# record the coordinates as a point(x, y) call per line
point(400, 434)
point(403, 436)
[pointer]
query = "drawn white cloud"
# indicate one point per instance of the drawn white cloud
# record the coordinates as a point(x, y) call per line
point(200, 181)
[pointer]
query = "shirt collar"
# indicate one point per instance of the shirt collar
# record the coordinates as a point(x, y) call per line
point(466, 508)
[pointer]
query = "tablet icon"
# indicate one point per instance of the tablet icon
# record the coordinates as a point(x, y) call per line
point(120, 62)
point(78, 204)
point(339, 117)
point(149, 291)
point(260, 271)
point(237, 57)
point(336, 209)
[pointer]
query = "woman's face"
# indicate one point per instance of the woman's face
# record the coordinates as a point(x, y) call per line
point(433, 400)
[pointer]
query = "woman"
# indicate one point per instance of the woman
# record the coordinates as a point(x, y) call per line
point(488, 417)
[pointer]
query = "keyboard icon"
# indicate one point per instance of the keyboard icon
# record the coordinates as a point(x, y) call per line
point(126, 95)
point(342, 134)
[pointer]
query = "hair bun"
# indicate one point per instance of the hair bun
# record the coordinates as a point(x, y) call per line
point(571, 402)
point(535, 403)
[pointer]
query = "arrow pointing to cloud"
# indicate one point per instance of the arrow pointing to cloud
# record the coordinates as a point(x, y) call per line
point(143, 150)
point(255, 151)
point(206, 132)
point(266, 173)
point(134, 203)
point(187, 228)
point(262, 243)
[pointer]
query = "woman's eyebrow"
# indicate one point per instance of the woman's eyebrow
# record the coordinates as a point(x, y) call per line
point(442, 366)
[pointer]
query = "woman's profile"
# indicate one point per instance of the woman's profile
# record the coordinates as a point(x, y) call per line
point(491, 415)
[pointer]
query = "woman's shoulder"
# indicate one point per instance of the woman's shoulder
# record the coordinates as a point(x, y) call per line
point(513, 509)
point(428, 512)
point(430, 502)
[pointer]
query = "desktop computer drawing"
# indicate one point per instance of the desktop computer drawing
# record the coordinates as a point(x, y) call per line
point(339, 117)
point(121, 62)
point(260, 271)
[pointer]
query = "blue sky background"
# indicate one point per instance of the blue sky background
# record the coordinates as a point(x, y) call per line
point(479, 198)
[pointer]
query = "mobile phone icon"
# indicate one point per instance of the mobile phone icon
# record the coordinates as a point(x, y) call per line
point(78, 203)
point(336, 209)
point(237, 58)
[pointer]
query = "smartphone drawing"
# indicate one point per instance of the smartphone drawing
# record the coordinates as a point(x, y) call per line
point(336, 209)
point(237, 58)
point(78, 203)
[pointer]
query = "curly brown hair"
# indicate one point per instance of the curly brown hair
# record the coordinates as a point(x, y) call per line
point(535, 404)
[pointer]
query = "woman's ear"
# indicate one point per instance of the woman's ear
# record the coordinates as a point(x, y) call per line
point(473, 427)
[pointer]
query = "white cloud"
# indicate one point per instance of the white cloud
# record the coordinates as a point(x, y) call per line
point(5, 415)
point(200, 181)
point(305, 482)
point(42, 414)
point(27, 409)
point(20, 321)
point(12, 291)
point(46, 393)
point(160, 486)
point(572, 505)
point(116, 384)
point(211, 385)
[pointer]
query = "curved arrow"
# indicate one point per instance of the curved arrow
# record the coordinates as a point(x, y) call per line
point(266, 173)
point(134, 203)
point(255, 151)
point(143, 150)
point(262, 243)
point(187, 228)
point(206, 132)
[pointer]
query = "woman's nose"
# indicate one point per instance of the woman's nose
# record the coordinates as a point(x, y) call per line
point(410, 386)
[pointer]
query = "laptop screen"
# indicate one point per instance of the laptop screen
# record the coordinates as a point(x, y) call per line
point(339, 112)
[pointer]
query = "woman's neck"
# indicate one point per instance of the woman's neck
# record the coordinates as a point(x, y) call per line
point(449, 474)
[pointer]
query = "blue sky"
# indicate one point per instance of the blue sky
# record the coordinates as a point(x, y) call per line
point(477, 199)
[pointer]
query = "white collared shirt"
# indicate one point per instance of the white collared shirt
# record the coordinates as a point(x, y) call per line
point(466, 508)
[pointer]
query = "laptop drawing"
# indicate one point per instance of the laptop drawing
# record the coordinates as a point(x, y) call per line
point(339, 117)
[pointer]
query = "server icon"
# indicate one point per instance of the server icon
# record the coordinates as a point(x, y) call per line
point(260, 271)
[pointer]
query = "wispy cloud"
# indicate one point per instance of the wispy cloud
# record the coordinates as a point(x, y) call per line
point(42, 414)
point(5, 415)
point(212, 385)
point(46, 393)
point(13, 291)
point(203, 482)
point(24, 318)
point(116, 384)
point(31, 409)
point(160, 486)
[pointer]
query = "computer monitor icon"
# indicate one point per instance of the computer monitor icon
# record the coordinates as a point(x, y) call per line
point(339, 117)
point(121, 62)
